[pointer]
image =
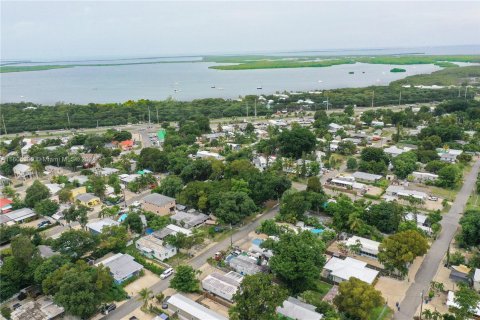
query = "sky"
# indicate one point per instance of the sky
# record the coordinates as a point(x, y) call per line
point(102, 29)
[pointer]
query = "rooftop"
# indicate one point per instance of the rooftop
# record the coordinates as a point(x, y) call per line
point(293, 308)
point(158, 199)
point(121, 265)
point(97, 226)
point(195, 309)
point(349, 267)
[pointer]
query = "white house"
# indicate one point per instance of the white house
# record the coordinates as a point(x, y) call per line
point(377, 123)
point(22, 171)
point(153, 247)
point(369, 248)
point(339, 270)
point(189, 309)
point(122, 266)
point(395, 151)
point(222, 285)
point(366, 177)
point(245, 265)
point(476, 280)
point(97, 226)
point(420, 220)
point(401, 192)
point(293, 308)
point(333, 127)
point(424, 176)
point(451, 303)
point(207, 154)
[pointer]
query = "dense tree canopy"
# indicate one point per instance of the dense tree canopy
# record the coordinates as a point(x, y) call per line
point(295, 142)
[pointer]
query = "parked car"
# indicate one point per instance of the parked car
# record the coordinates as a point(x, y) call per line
point(165, 302)
point(44, 223)
point(432, 198)
point(16, 306)
point(167, 273)
point(109, 308)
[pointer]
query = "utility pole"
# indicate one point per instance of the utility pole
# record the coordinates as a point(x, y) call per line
point(68, 117)
point(459, 88)
point(327, 103)
point(421, 306)
point(247, 109)
point(255, 108)
point(231, 236)
point(466, 88)
point(373, 97)
point(158, 121)
point(400, 98)
point(149, 115)
point(97, 124)
point(4, 127)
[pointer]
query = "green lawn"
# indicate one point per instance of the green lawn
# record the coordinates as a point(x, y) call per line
point(378, 315)
point(315, 296)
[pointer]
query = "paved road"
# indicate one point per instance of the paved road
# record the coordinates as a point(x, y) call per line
point(434, 257)
point(128, 307)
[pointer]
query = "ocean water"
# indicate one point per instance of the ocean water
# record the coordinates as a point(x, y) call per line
point(185, 81)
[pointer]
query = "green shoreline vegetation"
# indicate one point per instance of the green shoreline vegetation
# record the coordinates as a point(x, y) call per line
point(277, 62)
point(398, 70)
point(29, 117)
point(256, 62)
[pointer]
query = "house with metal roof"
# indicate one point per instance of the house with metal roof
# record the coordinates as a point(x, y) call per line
point(17, 216)
point(366, 177)
point(88, 199)
point(222, 285)
point(368, 248)
point(189, 309)
point(244, 265)
point(97, 226)
point(189, 219)
point(22, 171)
point(293, 308)
point(122, 266)
point(153, 247)
point(339, 270)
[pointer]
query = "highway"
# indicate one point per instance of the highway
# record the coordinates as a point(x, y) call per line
point(196, 262)
point(434, 257)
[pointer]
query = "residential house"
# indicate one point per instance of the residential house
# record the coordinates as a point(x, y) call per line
point(4, 181)
point(255, 247)
point(5, 205)
point(22, 171)
point(401, 192)
point(424, 176)
point(189, 219)
point(222, 285)
point(377, 123)
point(449, 155)
point(244, 265)
point(452, 303)
point(104, 172)
point(77, 191)
point(207, 154)
point(127, 178)
point(339, 270)
point(460, 273)
point(171, 229)
point(126, 145)
point(122, 266)
point(395, 151)
point(189, 309)
point(333, 127)
point(261, 163)
point(81, 180)
point(46, 251)
point(42, 308)
point(97, 226)
point(158, 204)
point(292, 308)
point(18, 216)
point(152, 247)
point(54, 188)
point(366, 177)
point(90, 160)
point(88, 200)
point(420, 220)
point(368, 248)
point(212, 136)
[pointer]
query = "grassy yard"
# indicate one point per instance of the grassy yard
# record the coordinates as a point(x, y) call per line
point(315, 296)
point(473, 201)
point(378, 315)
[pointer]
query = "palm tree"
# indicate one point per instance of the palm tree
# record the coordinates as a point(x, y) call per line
point(37, 167)
point(145, 295)
point(354, 222)
point(427, 314)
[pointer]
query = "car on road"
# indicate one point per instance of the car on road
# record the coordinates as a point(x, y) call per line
point(167, 273)
point(432, 198)
point(109, 308)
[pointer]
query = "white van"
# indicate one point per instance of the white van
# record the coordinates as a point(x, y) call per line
point(167, 273)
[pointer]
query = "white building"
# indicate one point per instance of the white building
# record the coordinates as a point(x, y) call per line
point(207, 154)
point(369, 248)
point(293, 308)
point(153, 247)
point(339, 270)
point(476, 280)
point(366, 177)
point(377, 123)
point(395, 151)
point(245, 265)
point(424, 176)
point(22, 171)
point(222, 285)
point(191, 310)
point(451, 303)
point(333, 127)
point(420, 220)
point(97, 226)
point(401, 192)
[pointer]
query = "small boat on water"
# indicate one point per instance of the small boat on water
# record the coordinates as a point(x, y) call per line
point(320, 81)
point(213, 87)
point(259, 88)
